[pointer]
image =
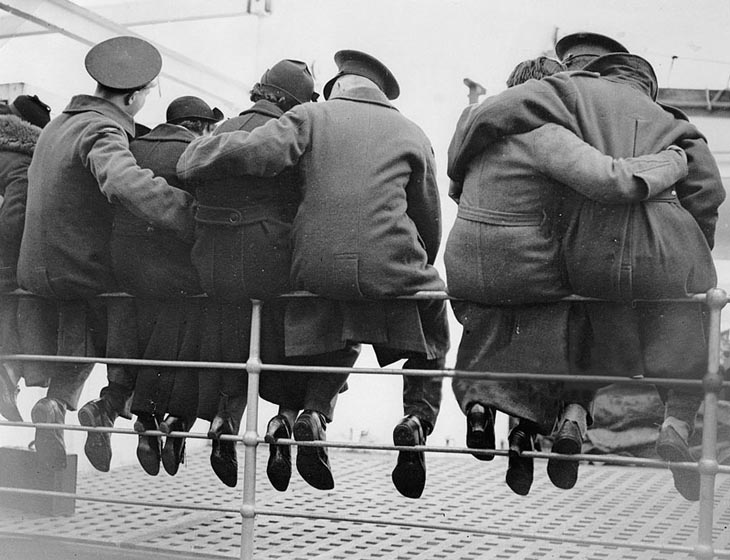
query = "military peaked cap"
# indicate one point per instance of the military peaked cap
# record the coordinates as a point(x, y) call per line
point(362, 64)
point(604, 44)
point(123, 63)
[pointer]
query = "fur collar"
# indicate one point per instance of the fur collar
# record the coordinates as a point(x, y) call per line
point(17, 135)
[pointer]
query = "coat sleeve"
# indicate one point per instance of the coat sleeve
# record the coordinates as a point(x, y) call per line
point(424, 206)
point(562, 156)
point(702, 191)
point(517, 110)
point(264, 152)
point(105, 151)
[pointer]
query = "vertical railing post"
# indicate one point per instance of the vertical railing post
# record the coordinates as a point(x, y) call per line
point(250, 436)
point(712, 383)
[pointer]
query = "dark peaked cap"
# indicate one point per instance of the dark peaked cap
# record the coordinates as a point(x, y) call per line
point(585, 38)
point(362, 64)
point(123, 63)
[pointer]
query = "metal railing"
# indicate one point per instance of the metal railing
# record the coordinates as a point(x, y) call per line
point(708, 466)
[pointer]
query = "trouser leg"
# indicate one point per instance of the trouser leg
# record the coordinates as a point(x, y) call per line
point(81, 332)
point(321, 389)
point(422, 394)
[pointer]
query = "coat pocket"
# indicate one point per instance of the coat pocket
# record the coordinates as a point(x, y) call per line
point(344, 280)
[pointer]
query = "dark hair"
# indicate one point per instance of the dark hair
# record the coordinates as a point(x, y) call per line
point(273, 94)
point(534, 69)
point(196, 126)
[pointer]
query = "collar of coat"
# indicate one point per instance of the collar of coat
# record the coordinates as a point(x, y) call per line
point(364, 95)
point(264, 107)
point(17, 135)
point(91, 103)
point(167, 132)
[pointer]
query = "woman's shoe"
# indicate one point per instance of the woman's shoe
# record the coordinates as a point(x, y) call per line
point(480, 430)
point(223, 456)
point(520, 469)
point(174, 451)
point(149, 448)
point(278, 469)
point(567, 441)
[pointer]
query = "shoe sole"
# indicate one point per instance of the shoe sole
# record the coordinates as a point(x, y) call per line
point(147, 457)
point(278, 469)
point(225, 469)
point(310, 464)
point(409, 474)
point(171, 460)
point(518, 478)
point(686, 482)
point(564, 474)
point(98, 445)
point(48, 442)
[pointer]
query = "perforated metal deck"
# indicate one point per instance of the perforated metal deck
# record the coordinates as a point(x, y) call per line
point(609, 503)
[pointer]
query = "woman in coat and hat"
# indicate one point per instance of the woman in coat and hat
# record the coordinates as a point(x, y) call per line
point(163, 322)
point(243, 250)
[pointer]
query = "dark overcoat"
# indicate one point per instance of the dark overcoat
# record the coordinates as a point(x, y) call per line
point(81, 164)
point(154, 265)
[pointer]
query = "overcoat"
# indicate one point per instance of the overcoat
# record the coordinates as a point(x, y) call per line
point(504, 247)
point(81, 164)
point(368, 225)
point(17, 142)
point(243, 225)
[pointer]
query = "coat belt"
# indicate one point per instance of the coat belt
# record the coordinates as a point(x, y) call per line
point(234, 216)
point(497, 217)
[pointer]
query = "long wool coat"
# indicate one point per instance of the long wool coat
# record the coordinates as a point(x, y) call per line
point(368, 225)
point(82, 162)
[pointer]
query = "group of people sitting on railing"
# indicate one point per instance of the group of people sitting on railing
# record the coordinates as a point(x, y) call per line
point(570, 181)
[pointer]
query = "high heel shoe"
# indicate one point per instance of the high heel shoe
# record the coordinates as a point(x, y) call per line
point(520, 469)
point(278, 468)
point(480, 430)
point(223, 456)
point(149, 448)
point(174, 451)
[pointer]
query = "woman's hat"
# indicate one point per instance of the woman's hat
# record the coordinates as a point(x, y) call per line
point(190, 107)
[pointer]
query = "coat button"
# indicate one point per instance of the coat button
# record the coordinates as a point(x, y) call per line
point(233, 218)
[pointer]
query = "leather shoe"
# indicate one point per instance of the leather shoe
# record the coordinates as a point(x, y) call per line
point(409, 474)
point(567, 441)
point(49, 443)
point(223, 456)
point(8, 397)
point(98, 413)
point(670, 446)
point(149, 448)
point(520, 469)
point(278, 468)
point(312, 462)
point(174, 451)
point(480, 430)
